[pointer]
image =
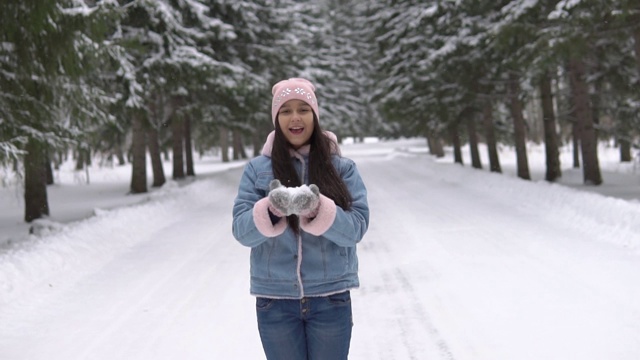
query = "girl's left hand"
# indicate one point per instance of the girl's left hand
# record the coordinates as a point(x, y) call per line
point(305, 201)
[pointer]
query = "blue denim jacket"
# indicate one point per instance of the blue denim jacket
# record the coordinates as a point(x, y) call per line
point(294, 266)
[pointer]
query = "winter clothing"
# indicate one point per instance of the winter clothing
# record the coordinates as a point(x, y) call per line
point(279, 199)
point(319, 261)
point(284, 201)
point(306, 201)
point(293, 88)
point(284, 335)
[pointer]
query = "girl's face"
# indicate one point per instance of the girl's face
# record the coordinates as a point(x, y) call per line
point(295, 119)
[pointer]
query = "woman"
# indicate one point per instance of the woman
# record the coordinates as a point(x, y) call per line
point(302, 208)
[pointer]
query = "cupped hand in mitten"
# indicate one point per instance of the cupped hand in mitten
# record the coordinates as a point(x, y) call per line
point(305, 201)
point(279, 199)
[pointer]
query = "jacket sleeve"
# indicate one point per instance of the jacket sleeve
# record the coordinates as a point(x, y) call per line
point(345, 228)
point(252, 223)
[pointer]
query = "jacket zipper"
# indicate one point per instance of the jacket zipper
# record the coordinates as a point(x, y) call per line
point(299, 266)
point(303, 171)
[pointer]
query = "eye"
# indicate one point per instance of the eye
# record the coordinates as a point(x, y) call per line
point(304, 110)
point(284, 111)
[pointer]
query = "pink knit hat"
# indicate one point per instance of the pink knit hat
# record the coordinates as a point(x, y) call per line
point(293, 88)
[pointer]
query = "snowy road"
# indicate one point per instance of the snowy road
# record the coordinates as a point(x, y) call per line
point(457, 264)
point(459, 272)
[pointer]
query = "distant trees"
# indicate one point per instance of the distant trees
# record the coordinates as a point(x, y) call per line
point(120, 78)
point(576, 60)
point(123, 78)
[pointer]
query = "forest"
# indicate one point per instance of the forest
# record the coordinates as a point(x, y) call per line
point(123, 81)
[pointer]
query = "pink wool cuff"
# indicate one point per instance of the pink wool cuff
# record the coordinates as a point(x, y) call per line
point(323, 220)
point(275, 211)
point(263, 221)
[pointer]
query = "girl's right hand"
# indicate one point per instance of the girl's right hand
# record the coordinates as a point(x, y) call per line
point(279, 199)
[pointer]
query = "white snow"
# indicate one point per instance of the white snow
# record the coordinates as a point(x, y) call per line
point(457, 264)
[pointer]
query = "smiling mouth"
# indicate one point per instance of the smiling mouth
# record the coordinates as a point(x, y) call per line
point(296, 131)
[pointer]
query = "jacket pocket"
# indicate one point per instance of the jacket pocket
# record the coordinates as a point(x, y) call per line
point(263, 180)
point(260, 259)
point(264, 304)
point(336, 260)
point(340, 299)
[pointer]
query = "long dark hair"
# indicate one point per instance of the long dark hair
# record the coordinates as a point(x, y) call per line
point(321, 169)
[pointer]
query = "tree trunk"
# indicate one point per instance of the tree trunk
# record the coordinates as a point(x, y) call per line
point(257, 141)
point(435, 145)
point(473, 140)
point(625, 150)
point(238, 147)
point(81, 159)
point(262, 129)
point(35, 186)
point(138, 154)
point(88, 158)
point(433, 142)
point(224, 143)
point(58, 159)
point(634, 20)
point(550, 135)
point(624, 137)
point(489, 133)
point(48, 168)
point(156, 157)
point(188, 146)
point(177, 135)
point(584, 120)
point(575, 141)
point(519, 130)
point(119, 150)
point(455, 140)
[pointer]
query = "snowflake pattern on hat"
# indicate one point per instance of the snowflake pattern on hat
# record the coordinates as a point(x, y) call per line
point(293, 88)
point(278, 99)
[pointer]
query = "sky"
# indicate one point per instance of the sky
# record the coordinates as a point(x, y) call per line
point(458, 263)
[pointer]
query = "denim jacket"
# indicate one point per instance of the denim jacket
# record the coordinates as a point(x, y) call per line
point(320, 260)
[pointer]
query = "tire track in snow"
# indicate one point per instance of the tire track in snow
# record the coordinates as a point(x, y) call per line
point(505, 275)
point(448, 272)
point(139, 304)
point(386, 289)
point(423, 317)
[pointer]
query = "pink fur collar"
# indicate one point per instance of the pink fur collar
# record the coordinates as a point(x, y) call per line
point(268, 145)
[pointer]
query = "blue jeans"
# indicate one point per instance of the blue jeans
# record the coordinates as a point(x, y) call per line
point(313, 328)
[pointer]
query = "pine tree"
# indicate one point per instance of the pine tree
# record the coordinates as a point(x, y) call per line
point(161, 49)
point(43, 55)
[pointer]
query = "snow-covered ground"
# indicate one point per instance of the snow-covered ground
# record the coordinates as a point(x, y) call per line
point(457, 264)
